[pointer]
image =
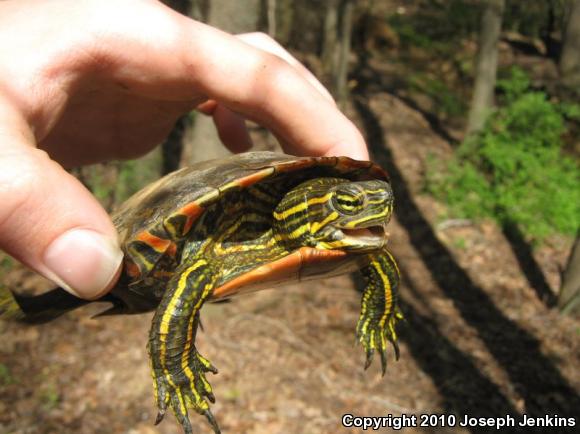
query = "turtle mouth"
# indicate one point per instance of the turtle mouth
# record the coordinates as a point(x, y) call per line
point(371, 235)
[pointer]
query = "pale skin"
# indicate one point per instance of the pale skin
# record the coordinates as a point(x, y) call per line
point(84, 81)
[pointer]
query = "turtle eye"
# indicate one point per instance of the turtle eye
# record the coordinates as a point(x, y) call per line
point(349, 202)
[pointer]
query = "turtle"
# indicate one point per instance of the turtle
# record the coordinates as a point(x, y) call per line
point(229, 226)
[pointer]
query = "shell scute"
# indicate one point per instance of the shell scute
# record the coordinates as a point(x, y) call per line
point(179, 223)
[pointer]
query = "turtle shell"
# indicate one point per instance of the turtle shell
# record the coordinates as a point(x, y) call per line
point(162, 214)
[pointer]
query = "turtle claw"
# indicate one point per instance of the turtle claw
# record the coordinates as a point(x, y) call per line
point(374, 336)
point(369, 360)
point(160, 416)
point(210, 396)
point(383, 361)
point(211, 419)
point(183, 387)
point(396, 348)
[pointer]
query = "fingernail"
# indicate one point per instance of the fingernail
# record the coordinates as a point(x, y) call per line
point(83, 262)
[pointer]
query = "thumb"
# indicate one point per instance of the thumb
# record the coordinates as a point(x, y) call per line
point(50, 222)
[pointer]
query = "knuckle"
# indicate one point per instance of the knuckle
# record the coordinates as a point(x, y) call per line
point(271, 83)
point(276, 78)
point(275, 70)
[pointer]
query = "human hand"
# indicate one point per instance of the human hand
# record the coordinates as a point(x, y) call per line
point(82, 81)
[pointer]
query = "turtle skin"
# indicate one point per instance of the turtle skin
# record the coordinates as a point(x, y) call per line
point(242, 223)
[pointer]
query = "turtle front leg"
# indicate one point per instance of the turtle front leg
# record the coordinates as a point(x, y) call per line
point(379, 311)
point(178, 369)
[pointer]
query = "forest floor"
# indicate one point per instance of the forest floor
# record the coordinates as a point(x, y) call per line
point(481, 336)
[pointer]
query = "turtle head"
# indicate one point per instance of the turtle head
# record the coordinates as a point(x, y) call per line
point(334, 213)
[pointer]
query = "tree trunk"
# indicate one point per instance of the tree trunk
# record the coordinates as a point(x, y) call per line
point(330, 38)
point(486, 70)
point(569, 299)
point(547, 33)
point(570, 58)
point(284, 18)
point(336, 46)
point(271, 12)
point(181, 6)
point(238, 16)
point(341, 79)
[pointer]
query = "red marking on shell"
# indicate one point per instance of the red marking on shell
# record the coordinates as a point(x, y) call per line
point(191, 211)
point(158, 244)
point(171, 250)
point(378, 172)
point(345, 164)
point(254, 178)
point(375, 171)
point(285, 269)
point(342, 164)
point(304, 163)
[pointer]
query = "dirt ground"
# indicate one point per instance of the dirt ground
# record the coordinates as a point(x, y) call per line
point(481, 337)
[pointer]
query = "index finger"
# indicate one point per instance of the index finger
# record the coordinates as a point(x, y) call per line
point(268, 90)
point(181, 59)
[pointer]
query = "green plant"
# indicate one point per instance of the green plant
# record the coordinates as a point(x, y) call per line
point(114, 182)
point(49, 396)
point(437, 25)
point(135, 174)
point(445, 100)
point(460, 243)
point(515, 171)
point(6, 377)
point(6, 263)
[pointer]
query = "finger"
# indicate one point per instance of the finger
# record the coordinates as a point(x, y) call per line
point(269, 91)
point(256, 84)
point(49, 221)
point(231, 129)
point(207, 107)
point(231, 126)
point(266, 43)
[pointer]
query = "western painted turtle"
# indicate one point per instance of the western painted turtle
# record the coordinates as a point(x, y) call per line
point(224, 227)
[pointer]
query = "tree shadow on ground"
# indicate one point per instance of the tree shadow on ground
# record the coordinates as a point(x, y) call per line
point(524, 254)
point(532, 375)
point(371, 80)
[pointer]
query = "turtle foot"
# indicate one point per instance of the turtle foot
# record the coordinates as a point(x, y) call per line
point(373, 335)
point(185, 387)
point(379, 308)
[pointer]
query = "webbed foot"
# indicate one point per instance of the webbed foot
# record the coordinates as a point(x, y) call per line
point(184, 386)
point(379, 311)
point(373, 336)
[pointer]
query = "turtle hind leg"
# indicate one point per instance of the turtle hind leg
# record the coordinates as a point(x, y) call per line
point(178, 369)
point(379, 310)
